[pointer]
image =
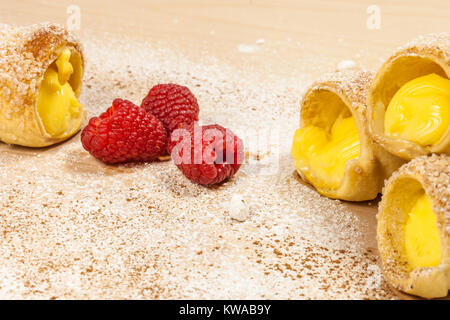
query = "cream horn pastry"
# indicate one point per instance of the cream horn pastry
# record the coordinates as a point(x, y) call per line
point(408, 105)
point(41, 70)
point(332, 150)
point(413, 230)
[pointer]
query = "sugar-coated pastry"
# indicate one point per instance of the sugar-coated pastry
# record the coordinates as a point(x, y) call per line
point(408, 105)
point(413, 230)
point(332, 150)
point(41, 70)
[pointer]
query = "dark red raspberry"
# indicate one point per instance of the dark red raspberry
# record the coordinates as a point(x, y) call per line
point(206, 154)
point(124, 133)
point(172, 104)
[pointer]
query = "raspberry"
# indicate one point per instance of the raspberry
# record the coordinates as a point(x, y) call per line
point(172, 104)
point(124, 133)
point(206, 155)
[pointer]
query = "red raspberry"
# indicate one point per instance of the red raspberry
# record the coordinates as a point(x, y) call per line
point(206, 154)
point(125, 132)
point(172, 104)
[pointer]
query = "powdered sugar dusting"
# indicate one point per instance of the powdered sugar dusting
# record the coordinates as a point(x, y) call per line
point(75, 228)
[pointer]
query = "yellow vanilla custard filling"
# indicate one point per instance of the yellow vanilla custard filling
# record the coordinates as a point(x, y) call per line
point(57, 105)
point(420, 110)
point(321, 155)
point(421, 235)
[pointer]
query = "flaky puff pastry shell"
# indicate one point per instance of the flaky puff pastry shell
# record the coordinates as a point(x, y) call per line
point(432, 174)
point(424, 55)
point(25, 55)
point(364, 176)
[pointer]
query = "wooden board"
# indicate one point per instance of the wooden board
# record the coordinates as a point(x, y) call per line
point(334, 29)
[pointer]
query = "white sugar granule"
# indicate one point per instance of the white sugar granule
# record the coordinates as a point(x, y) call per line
point(247, 48)
point(75, 228)
point(238, 208)
point(346, 64)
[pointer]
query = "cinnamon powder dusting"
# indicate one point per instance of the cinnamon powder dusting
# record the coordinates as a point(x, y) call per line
point(72, 227)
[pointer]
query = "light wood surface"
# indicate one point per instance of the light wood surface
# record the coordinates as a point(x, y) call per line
point(331, 31)
point(334, 30)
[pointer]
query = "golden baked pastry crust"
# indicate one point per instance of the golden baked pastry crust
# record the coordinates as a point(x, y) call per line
point(424, 55)
point(26, 53)
point(432, 173)
point(364, 176)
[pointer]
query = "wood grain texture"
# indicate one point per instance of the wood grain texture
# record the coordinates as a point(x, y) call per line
point(293, 29)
